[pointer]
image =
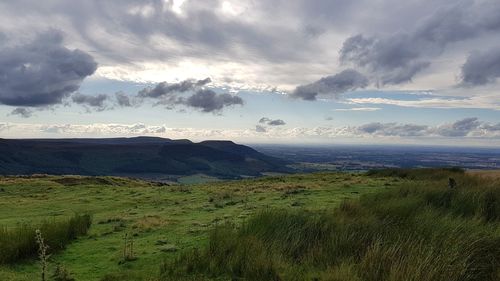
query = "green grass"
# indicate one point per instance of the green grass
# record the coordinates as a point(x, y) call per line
point(418, 174)
point(197, 179)
point(421, 230)
point(163, 220)
point(384, 225)
point(18, 243)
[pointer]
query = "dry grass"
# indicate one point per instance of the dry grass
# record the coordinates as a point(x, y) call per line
point(149, 222)
point(487, 174)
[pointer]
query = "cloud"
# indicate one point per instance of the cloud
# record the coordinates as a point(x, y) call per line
point(460, 128)
point(122, 99)
point(481, 68)
point(129, 37)
point(23, 112)
point(358, 109)
point(244, 45)
point(96, 102)
point(277, 122)
point(271, 122)
point(168, 95)
point(205, 100)
point(393, 129)
point(99, 129)
point(41, 72)
point(4, 126)
point(475, 102)
point(470, 127)
point(397, 58)
point(209, 101)
point(392, 60)
point(470, 131)
point(164, 88)
point(347, 80)
point(145, 41)
point(260, 129)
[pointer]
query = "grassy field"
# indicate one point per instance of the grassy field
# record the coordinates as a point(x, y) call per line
point(421, 230)
point(159, 221)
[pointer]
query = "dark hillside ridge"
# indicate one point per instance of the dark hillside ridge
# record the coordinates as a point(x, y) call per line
point(134, 157)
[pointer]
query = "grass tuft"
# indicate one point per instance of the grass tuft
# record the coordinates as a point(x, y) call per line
point(20, 242)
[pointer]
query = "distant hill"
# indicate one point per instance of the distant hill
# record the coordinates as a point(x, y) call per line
point(133, 156)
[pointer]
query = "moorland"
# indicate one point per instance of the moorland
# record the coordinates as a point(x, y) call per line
point(382, 225)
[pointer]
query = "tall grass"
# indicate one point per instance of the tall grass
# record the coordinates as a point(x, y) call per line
point(19, 243)
point(421, 231)
point(420, 174)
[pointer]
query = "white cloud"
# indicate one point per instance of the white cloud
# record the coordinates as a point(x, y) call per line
point(358, 109)
point(478, 102)
point(469, 130)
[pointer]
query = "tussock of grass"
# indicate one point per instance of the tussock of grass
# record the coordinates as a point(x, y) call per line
point(20, 243)
point(417, 232)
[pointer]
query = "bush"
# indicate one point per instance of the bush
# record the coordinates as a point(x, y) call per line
point(19, 243)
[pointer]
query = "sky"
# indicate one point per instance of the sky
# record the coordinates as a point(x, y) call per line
point(420, 72)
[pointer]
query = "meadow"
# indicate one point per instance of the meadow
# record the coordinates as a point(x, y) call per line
point(139, 226)
point(423, 229)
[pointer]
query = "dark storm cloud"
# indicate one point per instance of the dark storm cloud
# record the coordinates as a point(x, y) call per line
point(96, 102)
point(481, 68)
point(23, 112)
point(42, 72)
point(347, 80)
point(271, 122)
point(209, 101)
point(164, 88)
point(397, 58)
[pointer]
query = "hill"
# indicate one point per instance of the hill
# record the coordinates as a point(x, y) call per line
point(384, 225)
point(139, 157)
point(162, 220)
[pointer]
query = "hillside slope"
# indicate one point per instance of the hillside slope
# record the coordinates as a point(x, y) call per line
point(163, 220)
point(133, 156)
